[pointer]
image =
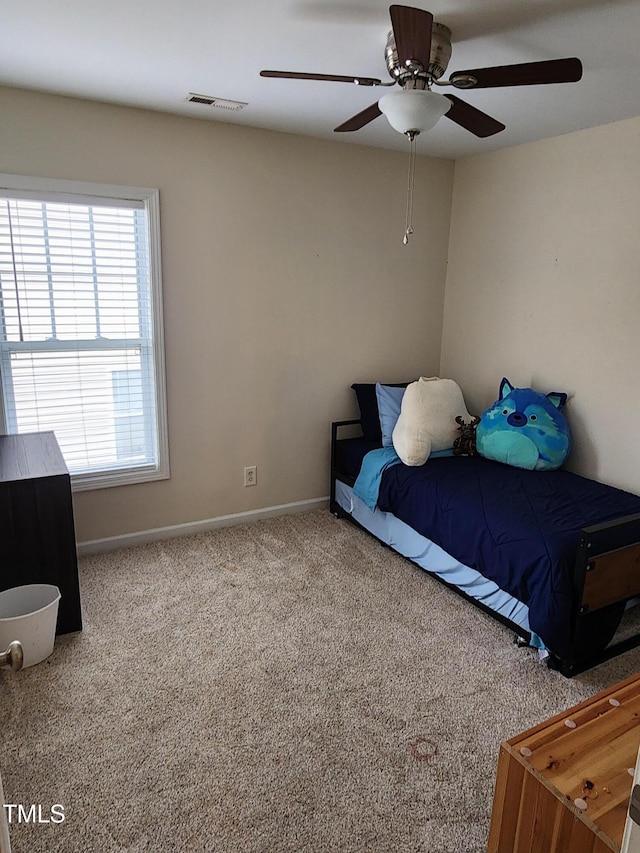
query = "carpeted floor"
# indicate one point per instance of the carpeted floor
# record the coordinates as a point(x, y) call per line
point(288, 685)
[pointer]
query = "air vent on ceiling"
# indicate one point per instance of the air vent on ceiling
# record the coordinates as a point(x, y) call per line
point(220, 103)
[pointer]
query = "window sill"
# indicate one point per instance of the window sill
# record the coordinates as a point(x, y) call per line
point(87, 482)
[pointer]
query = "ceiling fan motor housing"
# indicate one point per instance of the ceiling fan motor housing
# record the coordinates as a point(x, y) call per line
point(438, 60)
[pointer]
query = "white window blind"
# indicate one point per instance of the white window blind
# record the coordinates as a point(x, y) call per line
point(79, 329)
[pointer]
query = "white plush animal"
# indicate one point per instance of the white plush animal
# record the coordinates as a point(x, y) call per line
point(427, 421)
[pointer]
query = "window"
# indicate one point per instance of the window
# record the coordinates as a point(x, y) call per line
point(81, 347)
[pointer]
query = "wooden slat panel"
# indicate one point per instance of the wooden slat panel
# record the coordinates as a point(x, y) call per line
point(524, 837)
point(572, 835)
point(506, 804)
point(582, 840)
point(534, 809)
point(531, 816)
point(600, 749)
point(550, 813)
point(562, 830)
point(614, 577)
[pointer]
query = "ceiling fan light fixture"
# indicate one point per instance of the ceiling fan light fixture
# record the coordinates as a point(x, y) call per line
point(413, 110)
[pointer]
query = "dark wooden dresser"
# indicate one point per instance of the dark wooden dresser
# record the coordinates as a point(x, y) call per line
point(37, 534)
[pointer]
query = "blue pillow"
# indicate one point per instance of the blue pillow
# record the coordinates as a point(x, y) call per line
point(368, 405)
point(389, 401)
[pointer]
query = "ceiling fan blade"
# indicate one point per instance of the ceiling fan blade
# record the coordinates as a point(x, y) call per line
point(472, 119)
point(412, 34)
point(522, 74)
point(332, 78)
point(359, 120)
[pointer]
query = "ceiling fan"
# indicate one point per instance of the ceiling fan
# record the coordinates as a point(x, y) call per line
point(417, 54)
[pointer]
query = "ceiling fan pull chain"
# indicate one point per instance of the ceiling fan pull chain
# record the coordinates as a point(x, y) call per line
point(408, 225)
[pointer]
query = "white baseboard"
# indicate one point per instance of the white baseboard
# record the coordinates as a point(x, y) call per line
point(97, 546)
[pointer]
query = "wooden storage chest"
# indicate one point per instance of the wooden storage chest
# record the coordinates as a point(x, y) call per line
point(564, 785)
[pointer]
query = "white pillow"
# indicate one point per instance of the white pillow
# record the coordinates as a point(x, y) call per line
point(427, 419)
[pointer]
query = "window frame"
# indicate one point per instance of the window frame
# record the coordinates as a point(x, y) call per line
point(84, 192)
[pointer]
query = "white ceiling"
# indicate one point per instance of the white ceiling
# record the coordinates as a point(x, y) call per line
point(151, 53)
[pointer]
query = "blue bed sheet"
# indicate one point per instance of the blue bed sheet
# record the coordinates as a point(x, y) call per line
point(518, 528)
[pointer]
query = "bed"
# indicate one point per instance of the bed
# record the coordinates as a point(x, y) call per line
point(553, 555)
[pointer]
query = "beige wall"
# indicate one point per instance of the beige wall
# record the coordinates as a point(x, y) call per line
point(543, 286)
point(285, 280)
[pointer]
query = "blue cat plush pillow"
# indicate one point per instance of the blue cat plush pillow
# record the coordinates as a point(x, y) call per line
point(525, 428)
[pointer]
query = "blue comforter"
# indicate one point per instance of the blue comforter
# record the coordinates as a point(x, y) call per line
point(519, 528)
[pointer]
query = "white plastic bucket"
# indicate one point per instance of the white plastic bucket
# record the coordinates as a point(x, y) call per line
point(29, 614)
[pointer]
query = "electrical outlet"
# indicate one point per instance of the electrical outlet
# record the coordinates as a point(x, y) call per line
point(251, 475)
